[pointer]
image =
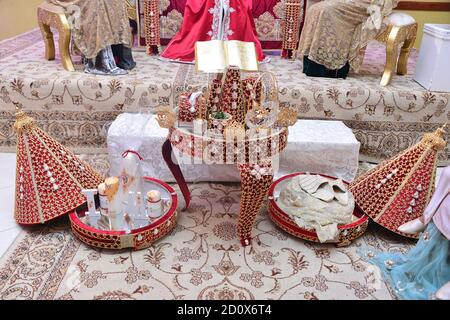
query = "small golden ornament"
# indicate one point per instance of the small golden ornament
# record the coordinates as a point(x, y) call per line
point(23, 121)
point(166, 117)
point(287, 117)
point(436, 139)
point(261, 113)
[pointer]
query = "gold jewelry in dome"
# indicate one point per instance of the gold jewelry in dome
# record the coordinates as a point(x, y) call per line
point(287, 117)
point(166, 117)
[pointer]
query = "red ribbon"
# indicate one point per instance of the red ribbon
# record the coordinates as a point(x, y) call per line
point(133, 152)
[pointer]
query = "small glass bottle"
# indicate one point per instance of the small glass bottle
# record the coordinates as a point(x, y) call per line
point(103, 199)
point(154, 204)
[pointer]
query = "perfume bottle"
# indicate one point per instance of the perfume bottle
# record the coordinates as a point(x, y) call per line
point(114, 197)
point(103, 199)
point(154, 204)
point(140, 204)
point(90, 197)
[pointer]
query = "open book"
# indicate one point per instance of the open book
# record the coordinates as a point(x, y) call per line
point(217, 55)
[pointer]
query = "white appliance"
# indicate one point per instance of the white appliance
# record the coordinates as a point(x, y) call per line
point(433, 63)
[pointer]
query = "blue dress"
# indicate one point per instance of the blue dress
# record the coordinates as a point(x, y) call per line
point(418, 274)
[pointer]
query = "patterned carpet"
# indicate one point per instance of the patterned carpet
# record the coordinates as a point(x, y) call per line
point(200, 259)
point(77, 108)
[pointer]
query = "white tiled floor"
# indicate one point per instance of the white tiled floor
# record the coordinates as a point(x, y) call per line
point(8, 227)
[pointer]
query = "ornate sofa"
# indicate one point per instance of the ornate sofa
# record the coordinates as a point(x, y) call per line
point(278, 22)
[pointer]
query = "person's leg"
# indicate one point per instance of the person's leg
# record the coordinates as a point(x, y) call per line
point(313, 69)
point(124, 56)
point(103, 64)
point(328, 34)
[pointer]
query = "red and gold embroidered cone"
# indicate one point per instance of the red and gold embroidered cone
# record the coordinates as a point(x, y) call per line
point(49, 177)
point(399, 189)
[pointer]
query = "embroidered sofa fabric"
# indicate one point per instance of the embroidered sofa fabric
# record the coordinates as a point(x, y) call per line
point(77, 109)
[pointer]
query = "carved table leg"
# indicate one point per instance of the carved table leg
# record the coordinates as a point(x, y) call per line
point(47, 34)
point(64, 43)
point(402, 66)
point(176, 171)
point(391, 56)
point(255, 182)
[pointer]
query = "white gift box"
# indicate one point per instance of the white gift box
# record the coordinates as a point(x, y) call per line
point(433, 64)
point(321, 146)
point(327, 147)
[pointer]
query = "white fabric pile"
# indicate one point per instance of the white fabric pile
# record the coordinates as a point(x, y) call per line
point(318, 203)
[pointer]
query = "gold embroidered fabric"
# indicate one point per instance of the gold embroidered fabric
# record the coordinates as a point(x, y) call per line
point(337, 31)
point(97, 24)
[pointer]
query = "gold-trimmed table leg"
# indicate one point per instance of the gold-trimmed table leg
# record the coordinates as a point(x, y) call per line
point(64, 43)
point(47, 35)
point(48, 19)
point(402, 66)
point(391, 56)
point(255, 183)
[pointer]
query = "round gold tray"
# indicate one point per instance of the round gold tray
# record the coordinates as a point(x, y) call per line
point(148, 232)
point(347, 233)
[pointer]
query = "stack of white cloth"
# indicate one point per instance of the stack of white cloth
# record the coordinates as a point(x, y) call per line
point(317, 203)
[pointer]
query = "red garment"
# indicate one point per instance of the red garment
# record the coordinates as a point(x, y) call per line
point(202, 22)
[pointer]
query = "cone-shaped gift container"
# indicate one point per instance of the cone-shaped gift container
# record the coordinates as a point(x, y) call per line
point(49, 177)
point(399, 189)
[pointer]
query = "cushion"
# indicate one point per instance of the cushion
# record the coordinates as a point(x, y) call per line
point(400, 19)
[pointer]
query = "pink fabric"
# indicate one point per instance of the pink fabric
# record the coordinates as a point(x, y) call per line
point(439, 207)
point(198, 23)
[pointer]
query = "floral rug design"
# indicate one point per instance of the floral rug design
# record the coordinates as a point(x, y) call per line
point(200, 259)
